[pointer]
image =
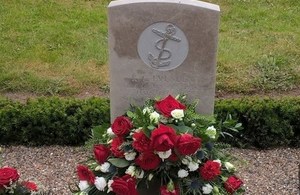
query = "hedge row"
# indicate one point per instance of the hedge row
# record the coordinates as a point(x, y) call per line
point(48, 121)
point(267, 122)
point(51, 121)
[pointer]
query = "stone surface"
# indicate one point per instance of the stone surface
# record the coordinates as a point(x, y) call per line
point(157, 48)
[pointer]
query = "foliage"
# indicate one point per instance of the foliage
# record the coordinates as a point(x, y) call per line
point(266, 122)
point(48, 121)
point(164, 142)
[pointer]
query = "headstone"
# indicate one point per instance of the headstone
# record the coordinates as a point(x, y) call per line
point(162, 47)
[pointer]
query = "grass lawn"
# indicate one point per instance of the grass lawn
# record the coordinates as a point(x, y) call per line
point(60, 46)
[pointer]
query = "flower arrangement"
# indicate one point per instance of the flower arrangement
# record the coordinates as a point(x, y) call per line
point(9, 183)
point(164, 146)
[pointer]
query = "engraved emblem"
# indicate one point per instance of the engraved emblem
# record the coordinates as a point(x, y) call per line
point(163, 46)
point(164, 53)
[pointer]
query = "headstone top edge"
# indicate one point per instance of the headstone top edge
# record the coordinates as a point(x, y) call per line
point(185, 2)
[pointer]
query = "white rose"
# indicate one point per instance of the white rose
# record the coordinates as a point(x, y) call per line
point(109, 185)
point(104, 168)
point(150, 176)
point(83, 185)
point(211, 132)
point(100, 183)
point(140, 174)
point(183, 173)
point(207, 189)
point(177, 113)
point(164, 155)
point(110, 132)
point(229, 166)
point(218, 161)
point(154, 116)
point(193, 166)
point(130, 171)
point(146, 110)
point(130, 155)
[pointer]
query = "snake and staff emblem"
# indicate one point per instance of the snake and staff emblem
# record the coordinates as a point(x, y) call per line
point(162, 60)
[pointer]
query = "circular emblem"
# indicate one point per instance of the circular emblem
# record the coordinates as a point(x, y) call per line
point(163, 46)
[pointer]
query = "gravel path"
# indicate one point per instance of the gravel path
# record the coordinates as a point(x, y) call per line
point(263, 172)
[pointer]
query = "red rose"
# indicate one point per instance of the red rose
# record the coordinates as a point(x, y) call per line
point(173, 157)
point(163, 138)
point(101, 153)
point(187, 144)
point(141, 142)
point(85, 174)
point(210, 170)
point(167, 105)
point(232, 184)
point(31, 186)
point(148, 160)
point(164, 191)
point(125, 185)
point(116, 147)
point(121, 126)
point(7, 175)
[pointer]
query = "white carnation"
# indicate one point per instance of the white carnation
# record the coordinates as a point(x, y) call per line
point(177, 113)
point(193, 166)
point(207, 189)
point(186, 160)
point(100, 183)
point(229, 166)
point(110, 132)
point(83, 185)
point(211, 132)
point(183, 173)
point(164, 155)
point(104, 168)
point(130, 155)
point(154, 116)
point(130, 171)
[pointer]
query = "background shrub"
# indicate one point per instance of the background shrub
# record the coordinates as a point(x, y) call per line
point(55, 121)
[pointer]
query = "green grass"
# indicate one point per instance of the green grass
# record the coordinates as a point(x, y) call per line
point(60, 46)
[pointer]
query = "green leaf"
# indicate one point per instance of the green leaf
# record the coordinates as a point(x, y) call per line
point(118, 162)
point(182, 129)
point(130, 114)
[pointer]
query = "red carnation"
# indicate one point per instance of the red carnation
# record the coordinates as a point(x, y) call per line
point(101, 153)
point(187, 144)
point(164, 191)
point(7, 175)
point(85, 174)
point(210, 170)
point(148, 160)
point(232, 184)
point(31, 186)
point(121, 126)
point(167, 105)
point(116, 147)
point(163, 138)
point(125, 185)
point(141, 142)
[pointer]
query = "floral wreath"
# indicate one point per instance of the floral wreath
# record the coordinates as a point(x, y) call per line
point(164, 142)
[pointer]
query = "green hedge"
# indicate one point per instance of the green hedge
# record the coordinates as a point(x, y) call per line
point(267, 122)
point(50, 121)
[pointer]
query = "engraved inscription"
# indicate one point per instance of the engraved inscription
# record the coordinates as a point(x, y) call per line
point(164, 53)
point(163, 46)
